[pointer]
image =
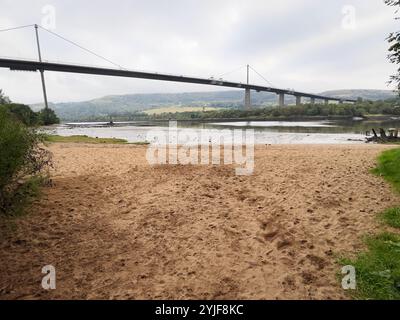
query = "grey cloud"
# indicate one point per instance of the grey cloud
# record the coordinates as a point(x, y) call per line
point(200, 38)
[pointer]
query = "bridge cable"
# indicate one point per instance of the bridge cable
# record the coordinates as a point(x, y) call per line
point(230, 72)
point(83, 48)
point(265, 79)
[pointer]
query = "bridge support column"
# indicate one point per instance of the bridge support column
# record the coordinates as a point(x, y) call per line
point(326, 101)
point(341, 102)
point(298, 100)
point(281, 99)
point(312, 100)
point(247, 100)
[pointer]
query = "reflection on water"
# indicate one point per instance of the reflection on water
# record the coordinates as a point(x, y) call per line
point(274, 124)
point(266, 132)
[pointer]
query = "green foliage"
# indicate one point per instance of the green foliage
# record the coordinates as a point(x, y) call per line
point(21, 158)
point(378, 269)
point(394, 49)
point(391, 217)
point(24, 195)
point(47, 117)
point(130, 107)
point(3, 98)
point(359, 109)
point(22, 113)
point(389, 167)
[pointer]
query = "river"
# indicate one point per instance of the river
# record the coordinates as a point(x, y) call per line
point(266, 132)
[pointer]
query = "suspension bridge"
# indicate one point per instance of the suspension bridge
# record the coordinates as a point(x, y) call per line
point(41, 66)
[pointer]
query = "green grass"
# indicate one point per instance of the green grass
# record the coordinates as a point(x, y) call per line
point(389, 167)
point(391, 217)
point(141, 143)
point(378, 268)
point(83, 139)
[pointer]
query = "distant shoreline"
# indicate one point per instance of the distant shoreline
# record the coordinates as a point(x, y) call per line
point(291, 118)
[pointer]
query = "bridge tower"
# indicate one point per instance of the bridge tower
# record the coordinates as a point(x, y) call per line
point(247, 97)
point(298, 100)
point(46, 105)
point(281, 99)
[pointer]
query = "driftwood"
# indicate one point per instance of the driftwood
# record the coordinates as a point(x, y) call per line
point(385, 138)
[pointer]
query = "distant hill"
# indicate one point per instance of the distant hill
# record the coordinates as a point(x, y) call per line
point(373, 95)
point(125, 104)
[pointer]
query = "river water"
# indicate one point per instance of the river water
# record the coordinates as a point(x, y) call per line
point(265, 132)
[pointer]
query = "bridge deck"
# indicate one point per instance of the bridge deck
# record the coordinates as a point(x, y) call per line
point(70, 68)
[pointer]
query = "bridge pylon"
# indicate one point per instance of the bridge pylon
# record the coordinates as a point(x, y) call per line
point(281, 99)
point(247, 100)
point(247, 97)
point(298, 100)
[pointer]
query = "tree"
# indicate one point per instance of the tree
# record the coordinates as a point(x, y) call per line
point(4, 99)
point(394, 41)
point(22, 113)
point(48, 117)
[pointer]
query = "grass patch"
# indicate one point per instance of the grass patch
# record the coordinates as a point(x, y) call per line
point(378, 269)
point(83, 139)
point(141, 143)
point(389, 167)
point(391, 217)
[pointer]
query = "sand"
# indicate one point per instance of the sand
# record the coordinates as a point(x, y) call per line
point(116, 228)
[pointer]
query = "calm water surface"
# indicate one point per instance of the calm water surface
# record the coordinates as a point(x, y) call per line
point(266, 132)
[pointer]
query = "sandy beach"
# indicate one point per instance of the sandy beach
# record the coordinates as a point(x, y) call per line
point(115, 227)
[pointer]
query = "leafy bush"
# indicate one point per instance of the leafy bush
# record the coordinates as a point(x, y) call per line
point(3, 98)
point(22, 113)
point(47, 117)
point(30, 118)
point(21, 157)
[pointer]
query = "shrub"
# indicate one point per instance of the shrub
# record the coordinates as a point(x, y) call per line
point(21, 157)
point(3, 98)
point(22, 113)
point(47, 117)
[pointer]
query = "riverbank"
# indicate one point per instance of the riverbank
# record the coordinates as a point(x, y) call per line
point(121, 121)
point(115, 227)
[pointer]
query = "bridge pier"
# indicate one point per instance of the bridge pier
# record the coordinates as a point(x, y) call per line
point(312, 100)
point(340, 101)
point(326, 101)
point(281, 99)
point(298, 100)
point(247, 100)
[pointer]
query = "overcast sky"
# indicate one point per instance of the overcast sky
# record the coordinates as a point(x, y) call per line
point(308, 45)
